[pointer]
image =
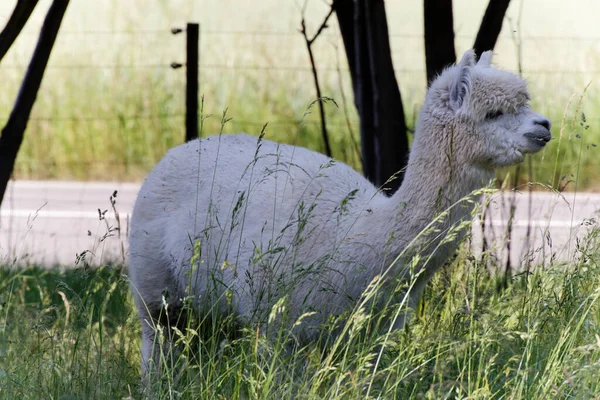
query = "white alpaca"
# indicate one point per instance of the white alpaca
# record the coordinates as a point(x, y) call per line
point(267, 219)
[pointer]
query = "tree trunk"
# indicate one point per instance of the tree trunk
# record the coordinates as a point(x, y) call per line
point(15, 24)
point(439, 37)
point(491, 25)
point(377, 98)
point(12, 134)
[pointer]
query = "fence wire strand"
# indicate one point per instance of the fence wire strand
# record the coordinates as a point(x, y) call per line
point(208, 33)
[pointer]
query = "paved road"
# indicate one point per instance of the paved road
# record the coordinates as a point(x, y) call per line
point(53, 222)
point(545, 227)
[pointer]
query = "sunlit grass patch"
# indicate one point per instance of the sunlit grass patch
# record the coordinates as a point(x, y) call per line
point(66, 333)
point(75, 333)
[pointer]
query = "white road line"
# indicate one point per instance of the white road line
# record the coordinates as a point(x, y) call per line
point(51, 214)
point(540, 223)
point(80, 186)
point(521, 223)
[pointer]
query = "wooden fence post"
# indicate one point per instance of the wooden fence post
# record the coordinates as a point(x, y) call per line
point(191, 86)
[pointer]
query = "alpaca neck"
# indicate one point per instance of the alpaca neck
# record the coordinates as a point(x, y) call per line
point(429, 190)
point(389, 232)
point(431, 187)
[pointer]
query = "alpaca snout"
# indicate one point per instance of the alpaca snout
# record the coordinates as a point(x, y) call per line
point(545, 122)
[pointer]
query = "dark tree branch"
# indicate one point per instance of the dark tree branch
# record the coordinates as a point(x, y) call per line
point(491, 25)
point(363, 24)
point(15, 24)
point(439, 37)
point(12, 134)
point(323, 24)
point(309, 43)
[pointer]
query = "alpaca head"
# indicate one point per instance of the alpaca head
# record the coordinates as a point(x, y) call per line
point(483, 113)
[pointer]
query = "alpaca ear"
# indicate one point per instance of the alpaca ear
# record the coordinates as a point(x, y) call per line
point(486, 59)
point(462, 81)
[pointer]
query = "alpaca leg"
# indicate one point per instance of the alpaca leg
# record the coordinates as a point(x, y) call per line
point(150, 355)
point(148, 337)
point(159, 306)
point(411, 307)
point(159, 350)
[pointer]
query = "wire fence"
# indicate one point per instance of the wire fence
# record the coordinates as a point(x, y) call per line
point(273, 33)
point(276, 68)
point(174, 49)
point(208, 35)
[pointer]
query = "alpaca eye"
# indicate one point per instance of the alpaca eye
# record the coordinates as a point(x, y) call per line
point(494, 114)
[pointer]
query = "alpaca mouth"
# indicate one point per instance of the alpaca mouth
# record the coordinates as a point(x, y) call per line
point(539, 138)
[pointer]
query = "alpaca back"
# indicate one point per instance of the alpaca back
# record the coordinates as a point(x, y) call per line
point(256, 208)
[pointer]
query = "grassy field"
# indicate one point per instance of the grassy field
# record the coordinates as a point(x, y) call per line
point(110, 105)
point(74, 334)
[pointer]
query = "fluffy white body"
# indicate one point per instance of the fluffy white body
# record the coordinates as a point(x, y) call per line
point(237, 222)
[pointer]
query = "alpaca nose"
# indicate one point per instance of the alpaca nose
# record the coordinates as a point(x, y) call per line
point(545, 122)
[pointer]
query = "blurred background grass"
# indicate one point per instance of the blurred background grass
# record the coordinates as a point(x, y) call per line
point(111, 106)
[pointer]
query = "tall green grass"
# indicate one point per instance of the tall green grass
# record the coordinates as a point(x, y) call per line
point(110, 107)
point(75, 334)
point(132, 132)
point(116, 123)
point(66, 334)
